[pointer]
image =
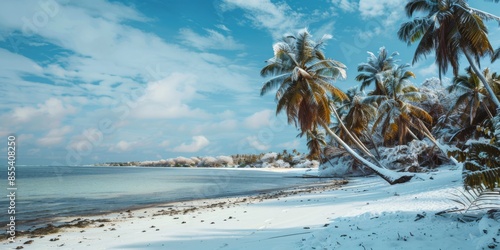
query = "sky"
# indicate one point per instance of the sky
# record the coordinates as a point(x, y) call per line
point(84, 82)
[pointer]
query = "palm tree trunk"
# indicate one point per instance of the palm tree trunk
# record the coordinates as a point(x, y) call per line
point(411, 133)
point(373, 143)
point(390, 176)
point(487, 110)
point(359, 144)
point(423, 129)
point(481, 77)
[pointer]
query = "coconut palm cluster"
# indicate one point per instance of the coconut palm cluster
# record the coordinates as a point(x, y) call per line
point(396, 126)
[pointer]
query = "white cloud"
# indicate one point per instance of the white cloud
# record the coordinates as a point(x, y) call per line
point(222, 27)
point(386, 12)
point(127, 146)
point(123, 146)
point(326, 29)
point(104, 50)
point(346, 5)
point(259, 119)
point(290, 145)
point(115, 11)
point(54, 136)
point(428, 71)
point(375, 8)
point(256, 143)
point(164, 143)
point(49, 113)
point(167, 98)
point(277, 18)
point(213, 127)
point(198, 143)
point(212, 41)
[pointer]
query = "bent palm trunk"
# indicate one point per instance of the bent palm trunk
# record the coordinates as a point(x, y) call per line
point(390, 176)
point(481, 77)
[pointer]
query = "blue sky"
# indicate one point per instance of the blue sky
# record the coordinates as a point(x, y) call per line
point(84, 82)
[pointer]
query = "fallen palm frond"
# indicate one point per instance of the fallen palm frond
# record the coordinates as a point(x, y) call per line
point(481, 177)
point(474, 199)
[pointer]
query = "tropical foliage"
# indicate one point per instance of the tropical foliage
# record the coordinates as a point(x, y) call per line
point(396, 115)
point(373, 70)
point(449, 28)
point(481, 175)
point(315, 142)
point(393, 112)
point(304, 79)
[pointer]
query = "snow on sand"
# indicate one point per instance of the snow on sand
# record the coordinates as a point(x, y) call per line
point(366, 213)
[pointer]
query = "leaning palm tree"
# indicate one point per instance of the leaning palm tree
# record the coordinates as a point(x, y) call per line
point(304, 78)
point(449, 28)
point(361, 113)
point(352, 117)
point(396, 115)
point(373, 69)
point(471, 95)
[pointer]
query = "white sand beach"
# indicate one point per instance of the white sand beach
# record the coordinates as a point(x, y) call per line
point(366, 213)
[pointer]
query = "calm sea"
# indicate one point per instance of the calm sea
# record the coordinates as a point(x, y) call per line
point(45, 192)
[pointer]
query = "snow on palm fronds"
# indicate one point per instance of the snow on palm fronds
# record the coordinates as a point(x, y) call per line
point(225, 160)
point(481, 166)
point(269, 157)
point(195, 160)
point(208, 161)
point(410, 157)
point(481, 176)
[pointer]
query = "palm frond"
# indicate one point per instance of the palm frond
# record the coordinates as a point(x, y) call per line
point(273, 83)
point(413, 30)
point(481, 168)
point(474, 199)
point(417, 5)
point(495, 55)
point(485, 15)
point(482, 179)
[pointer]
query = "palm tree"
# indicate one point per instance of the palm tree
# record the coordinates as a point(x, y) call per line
point(373, 69)
point(359, 116)
point(315, 141)
point(396, 115)
point(472, 104)
point(361, 113)
point(304, 78)
point(471, 94)
point(450, 28)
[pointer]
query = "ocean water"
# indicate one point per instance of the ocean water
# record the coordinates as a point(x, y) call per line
point(47, 192)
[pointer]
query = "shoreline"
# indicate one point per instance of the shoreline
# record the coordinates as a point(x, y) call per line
point(26, 222)
point(365, 213)
point(62, 224)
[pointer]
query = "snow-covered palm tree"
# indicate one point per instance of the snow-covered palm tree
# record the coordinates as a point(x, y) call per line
point(449, 28)
point(304, 78)
point(374, 68)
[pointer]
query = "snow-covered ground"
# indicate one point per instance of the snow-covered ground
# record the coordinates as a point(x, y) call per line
point(367, 213)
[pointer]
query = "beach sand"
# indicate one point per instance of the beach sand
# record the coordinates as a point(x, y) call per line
point(365, 213)
point(169, 226)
